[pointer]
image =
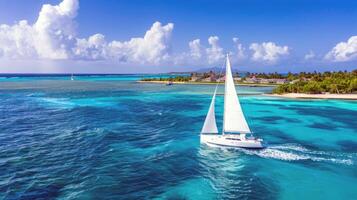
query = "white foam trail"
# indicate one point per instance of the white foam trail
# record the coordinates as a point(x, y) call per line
point(292, 152)
point(290, 147)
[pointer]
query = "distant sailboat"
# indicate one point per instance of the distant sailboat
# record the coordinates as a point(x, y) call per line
point(72, 77)
point(236, 132)
point(169, 83)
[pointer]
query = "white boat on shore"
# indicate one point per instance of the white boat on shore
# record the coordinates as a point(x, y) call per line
point(236, 132)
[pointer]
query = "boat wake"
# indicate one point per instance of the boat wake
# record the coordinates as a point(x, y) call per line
point(294, 152)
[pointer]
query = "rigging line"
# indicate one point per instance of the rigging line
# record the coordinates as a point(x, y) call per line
point(225, 78)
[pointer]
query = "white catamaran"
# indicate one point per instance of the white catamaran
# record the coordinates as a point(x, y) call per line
point(236, 132)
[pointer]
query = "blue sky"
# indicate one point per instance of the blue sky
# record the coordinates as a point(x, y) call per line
point(96, 36)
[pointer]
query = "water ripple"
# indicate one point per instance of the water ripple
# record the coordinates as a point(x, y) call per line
point(110, 140)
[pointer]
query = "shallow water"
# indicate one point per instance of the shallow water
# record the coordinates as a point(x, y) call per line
point(97, 138)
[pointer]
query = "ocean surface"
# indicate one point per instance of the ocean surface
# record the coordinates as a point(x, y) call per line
point(108, 137)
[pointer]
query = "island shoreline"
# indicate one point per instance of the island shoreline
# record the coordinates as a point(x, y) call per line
point(287, 95)
point(208, 83)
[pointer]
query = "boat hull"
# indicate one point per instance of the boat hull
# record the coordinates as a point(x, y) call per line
point(231, 141)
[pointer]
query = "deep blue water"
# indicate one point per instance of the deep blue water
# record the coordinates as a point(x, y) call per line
point(112, 138)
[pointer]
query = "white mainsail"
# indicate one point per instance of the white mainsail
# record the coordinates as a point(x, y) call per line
point(233, 118)
point(210, 125)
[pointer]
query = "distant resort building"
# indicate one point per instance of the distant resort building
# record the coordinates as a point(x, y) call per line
point(281, 81)
point(273, 80)
point(203, 77)
point(236, 79)
point(221, 79)
point(211, 77)
point(251, 79)
point(195, 77)
point(294, 81)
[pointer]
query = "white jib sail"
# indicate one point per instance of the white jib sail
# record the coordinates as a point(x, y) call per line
point(210, 125)
point(233, 119)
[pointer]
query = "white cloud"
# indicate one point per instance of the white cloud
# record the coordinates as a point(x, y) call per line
point(95, 47)
point(17, 41)
point(50, 37)
point(268, 52)
point(53, 36)
point(55, 30)
point(195, 49)
point(200, 54)
point(239, 47)
point(154, 47)
point(214, 52)
point(344, 51)
point(309, 55)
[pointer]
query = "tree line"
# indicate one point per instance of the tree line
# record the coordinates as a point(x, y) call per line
point(172, 79)
point(341, 82)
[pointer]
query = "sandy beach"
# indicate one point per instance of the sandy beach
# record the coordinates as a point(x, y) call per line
point(315, 96)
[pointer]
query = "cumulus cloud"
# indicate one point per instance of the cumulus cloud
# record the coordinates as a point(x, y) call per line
point(51, 36)
point(268, 52)
point(95, 47)
point(17, 41)
point(214, 52)
point(344, 51)
point(54, 30)
point(309, 55)
point(154, 47)
point(195, 49)
point(201, 54)
point(239, 48)
point(54, 36)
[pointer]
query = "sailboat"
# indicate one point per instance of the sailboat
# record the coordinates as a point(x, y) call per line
point(72, 77)
point(236, 131)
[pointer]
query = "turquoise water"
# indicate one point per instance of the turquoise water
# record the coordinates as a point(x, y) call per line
point(81, 77)
point(113, 138)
